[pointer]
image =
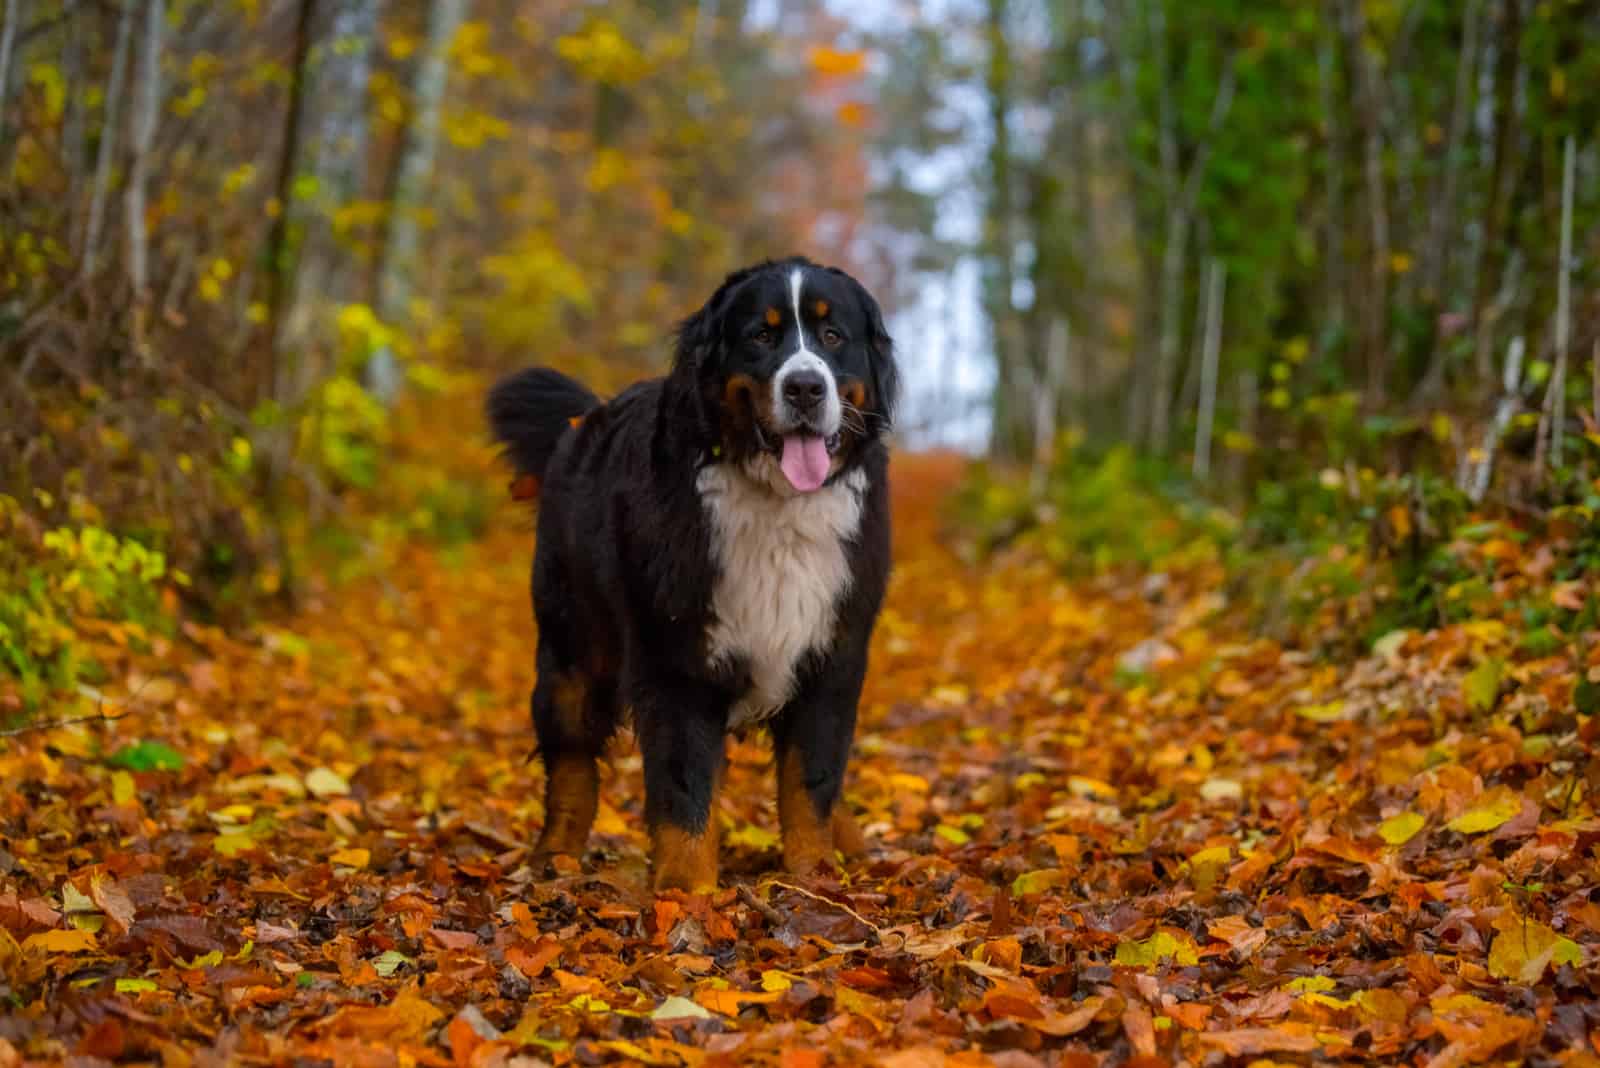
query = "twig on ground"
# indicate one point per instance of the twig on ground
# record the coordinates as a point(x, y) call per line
point(829, 901)
point(775, 916)
point(100, 715)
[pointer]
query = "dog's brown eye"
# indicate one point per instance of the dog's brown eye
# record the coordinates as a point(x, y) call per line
point(831, 337)
point(765, 337)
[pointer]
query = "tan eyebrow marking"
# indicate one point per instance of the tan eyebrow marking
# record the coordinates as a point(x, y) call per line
point(821, 308)
point(773, 317)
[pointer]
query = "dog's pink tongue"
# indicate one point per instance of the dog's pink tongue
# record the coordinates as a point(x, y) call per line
point(805, 461)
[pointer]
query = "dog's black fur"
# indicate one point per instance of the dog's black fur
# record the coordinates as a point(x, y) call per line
point(626, 566)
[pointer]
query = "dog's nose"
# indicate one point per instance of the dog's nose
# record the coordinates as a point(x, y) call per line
point(804, 389)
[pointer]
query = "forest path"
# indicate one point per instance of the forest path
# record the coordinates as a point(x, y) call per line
point(1101, 821)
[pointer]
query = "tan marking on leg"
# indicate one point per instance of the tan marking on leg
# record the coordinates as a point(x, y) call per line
point(571, 795)
point(807, 837)
point(571, 698)
point(683, 860)
point(847, 836)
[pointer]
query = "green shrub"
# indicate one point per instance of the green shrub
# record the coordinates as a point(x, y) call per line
point(50, 586)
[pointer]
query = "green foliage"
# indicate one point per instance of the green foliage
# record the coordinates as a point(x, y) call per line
point(73, 576)
point(343, 432)
point(147, 756)
point(1099, 509)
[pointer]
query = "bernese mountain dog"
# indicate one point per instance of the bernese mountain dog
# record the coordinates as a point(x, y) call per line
point(713, 548)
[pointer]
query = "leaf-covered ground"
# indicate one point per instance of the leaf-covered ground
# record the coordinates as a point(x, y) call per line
point(1109, 827)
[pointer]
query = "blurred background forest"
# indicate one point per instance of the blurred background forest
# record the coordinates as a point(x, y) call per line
point(1315, 274)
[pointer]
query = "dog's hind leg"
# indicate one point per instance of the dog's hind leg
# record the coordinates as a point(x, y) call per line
point(573, 715)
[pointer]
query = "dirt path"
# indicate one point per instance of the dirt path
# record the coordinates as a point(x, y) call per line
point(1105, 827)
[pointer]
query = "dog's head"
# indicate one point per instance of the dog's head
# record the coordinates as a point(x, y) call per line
point(788, 368)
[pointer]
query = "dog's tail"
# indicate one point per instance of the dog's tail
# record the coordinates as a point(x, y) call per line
point(528, 412)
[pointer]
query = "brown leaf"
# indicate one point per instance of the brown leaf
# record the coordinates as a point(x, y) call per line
point(113, 901)
point(1248, 1041)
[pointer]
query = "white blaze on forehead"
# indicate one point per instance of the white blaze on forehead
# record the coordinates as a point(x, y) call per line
point(803, 359)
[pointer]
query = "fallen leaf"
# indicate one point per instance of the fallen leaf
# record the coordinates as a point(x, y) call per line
point(1490, 812)
point(678, 1008)
point(1523, 948)
point(1401, 828)
point(1161, 946)
point(325, 783)
point(61, 942)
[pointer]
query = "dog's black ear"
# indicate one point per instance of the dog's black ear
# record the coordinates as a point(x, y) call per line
point(685, 422)
point(880, 347)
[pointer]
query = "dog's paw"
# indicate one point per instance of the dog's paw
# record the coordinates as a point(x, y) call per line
point(549, 864)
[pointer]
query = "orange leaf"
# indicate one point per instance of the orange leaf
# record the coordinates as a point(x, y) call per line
point(854, 114)
point(801, 1058)
point(531, 962)
point(454, 939)
point(836, 63)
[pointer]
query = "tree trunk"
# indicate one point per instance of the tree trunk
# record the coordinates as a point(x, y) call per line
point(278, 267)
point(1174, 255)
point(1502, 181)
point(403, 237)
point(1011, 407)
point(73, 122)
point(1183, 192)
point(1216, 289)
point(108, 143)
point(146, 112)
point(1334, 294)
point(1555, 409)
point(339, 156)
point(8, 43)
point(1375, 302)
point(1442, 219)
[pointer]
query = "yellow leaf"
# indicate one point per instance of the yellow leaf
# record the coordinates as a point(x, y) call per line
point(751, 837)
point(325, 782)
point(1401, 828)
point(351, 858)
point(1523, 947)
point(122, 788)
point(1331, 712)
point(1488, 814)
point(61, 942)
point(233, 842)
point(954, 835)
point(774, 980)
point(1482, 686)
point(1083, 786)
point(1163, 945)
point(1037, 882)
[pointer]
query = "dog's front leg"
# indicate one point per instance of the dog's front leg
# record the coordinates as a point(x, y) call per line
point(811, 741)
point(681, 725)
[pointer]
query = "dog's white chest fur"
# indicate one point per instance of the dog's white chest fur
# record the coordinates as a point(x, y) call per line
point(783, 566)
